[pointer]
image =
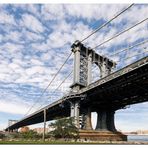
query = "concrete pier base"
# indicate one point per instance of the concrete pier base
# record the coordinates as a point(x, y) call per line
point(94, 135)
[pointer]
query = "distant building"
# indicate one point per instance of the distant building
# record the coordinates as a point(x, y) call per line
point(142, 132)
point(24, 129)
point(138, 132)
point(41, 130)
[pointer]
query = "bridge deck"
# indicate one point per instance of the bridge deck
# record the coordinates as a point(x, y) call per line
point(105, 87)
point(116, 74)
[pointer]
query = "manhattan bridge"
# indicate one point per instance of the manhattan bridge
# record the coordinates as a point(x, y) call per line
point(114, 90)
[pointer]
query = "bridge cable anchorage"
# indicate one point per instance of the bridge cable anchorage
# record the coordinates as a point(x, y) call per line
point(120, 33)
point(105, 24)
point(59, 86)
point(130, 47)
point(49, 84)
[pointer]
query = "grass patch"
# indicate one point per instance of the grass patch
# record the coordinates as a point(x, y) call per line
point(49, 142)
point(29, 142)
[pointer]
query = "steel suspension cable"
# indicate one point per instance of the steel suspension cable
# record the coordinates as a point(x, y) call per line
point(59, 85)
point(49, 84)
point(120, 33)
point(138, 44)
point(105, 24)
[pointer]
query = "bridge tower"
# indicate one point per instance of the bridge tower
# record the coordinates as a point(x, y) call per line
point(84, 58)
point(11, 122)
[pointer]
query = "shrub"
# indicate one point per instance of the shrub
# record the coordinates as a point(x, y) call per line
point(30, 135)
point(2, 136)
point(64, 128)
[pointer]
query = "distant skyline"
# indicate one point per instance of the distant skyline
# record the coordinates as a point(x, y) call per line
point(35, 39)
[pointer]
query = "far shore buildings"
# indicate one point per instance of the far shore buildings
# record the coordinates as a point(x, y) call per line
point(24, 129)
point(138, 132)
point(41, 130)
point(142, 132)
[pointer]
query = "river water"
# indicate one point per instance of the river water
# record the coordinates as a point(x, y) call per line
point(138, 138)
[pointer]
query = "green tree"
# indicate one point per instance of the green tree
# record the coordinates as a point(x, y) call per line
point(2, 136)
point(29, 135)
point(64, 128)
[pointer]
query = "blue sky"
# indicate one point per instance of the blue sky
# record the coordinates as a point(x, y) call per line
point(36, 39)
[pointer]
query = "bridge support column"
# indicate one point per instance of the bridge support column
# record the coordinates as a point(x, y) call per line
point(72, 109)
point(76, 51)
point(110, 121)
point(75, 112)
point(105, 121)
point(89, 70)
point(87, 118)
point(105, 129)
point(101, 120)
point(44, 125)
point(105, 69)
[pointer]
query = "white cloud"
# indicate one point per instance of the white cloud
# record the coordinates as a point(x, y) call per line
point(66, 33)
point(32, 23)
point(6, 19)
point(10, 48)
point(13, 108)
point(60, 12)
point(135, 14)
point(36, 62)
point(35, 69)
point(32, 8)
point(31, 36)
point(13, 35)
point(11, 102)
point(94, 12)
point(41, 46)
point(53, 12)
point(63, 33)
point(3, 125)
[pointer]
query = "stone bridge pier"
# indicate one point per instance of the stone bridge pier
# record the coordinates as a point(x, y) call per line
point(105, 128)
point(105, 121)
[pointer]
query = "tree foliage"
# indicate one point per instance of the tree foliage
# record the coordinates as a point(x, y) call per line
point(2, 136)
point(30, 135)
point(64, 128)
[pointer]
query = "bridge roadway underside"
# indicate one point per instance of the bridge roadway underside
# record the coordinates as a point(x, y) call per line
point(126, 89)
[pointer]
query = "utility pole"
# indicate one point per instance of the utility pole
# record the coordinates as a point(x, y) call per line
point(44, 125)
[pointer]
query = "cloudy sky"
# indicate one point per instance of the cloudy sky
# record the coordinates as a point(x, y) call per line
point(35, 40)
